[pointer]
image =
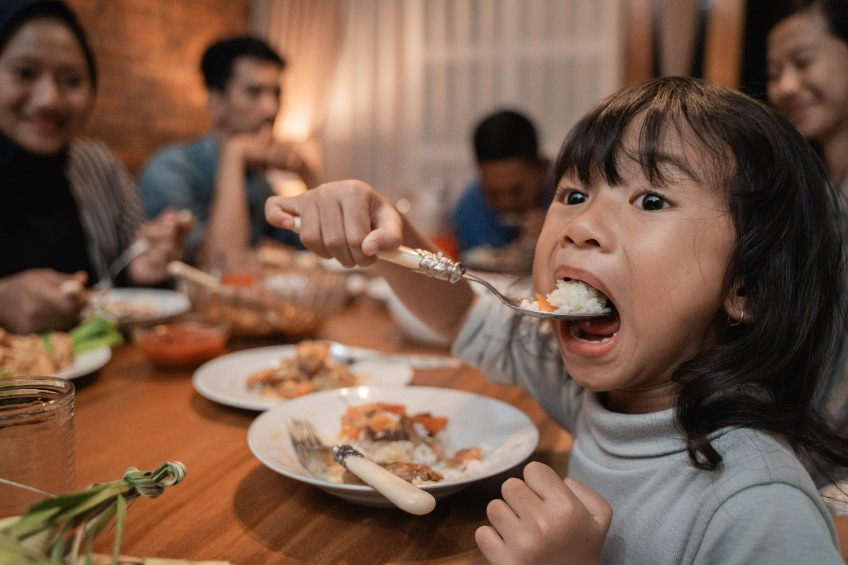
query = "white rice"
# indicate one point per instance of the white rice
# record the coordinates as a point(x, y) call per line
point(572, 297)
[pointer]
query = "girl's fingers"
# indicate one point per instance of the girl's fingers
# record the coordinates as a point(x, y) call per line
point(520, 497)
point(281, 211)
point(597, 506)
point(491, 544)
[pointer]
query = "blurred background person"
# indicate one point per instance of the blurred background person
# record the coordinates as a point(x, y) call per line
point(807, 74)
point(221, 176)
point(70, 208)
point(507, 203)
point(807, 79)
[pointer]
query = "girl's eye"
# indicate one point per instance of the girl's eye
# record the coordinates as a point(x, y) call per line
point(651, 202)
point(573, 197)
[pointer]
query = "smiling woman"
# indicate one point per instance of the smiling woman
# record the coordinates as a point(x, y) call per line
point(807, 73)
point(70, 208)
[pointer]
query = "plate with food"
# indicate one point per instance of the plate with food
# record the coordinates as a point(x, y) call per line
point(265, 377)
point(86, 363)
point(133, 305)
point(80, 351)
point(440, 439)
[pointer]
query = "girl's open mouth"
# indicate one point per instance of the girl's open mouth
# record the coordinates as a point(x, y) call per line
point(575, 292)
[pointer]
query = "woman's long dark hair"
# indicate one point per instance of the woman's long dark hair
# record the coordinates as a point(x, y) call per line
point(788, 256)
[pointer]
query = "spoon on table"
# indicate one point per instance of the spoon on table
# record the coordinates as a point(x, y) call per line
point(439, 266)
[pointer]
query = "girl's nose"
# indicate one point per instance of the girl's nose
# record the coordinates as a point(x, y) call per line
point(589, 228)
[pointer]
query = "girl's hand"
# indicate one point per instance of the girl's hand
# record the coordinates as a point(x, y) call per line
point(347, 220)
point(544, 519)
point(166, 235)
point(41, 299)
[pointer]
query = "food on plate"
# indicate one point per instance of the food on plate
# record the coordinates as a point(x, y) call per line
point(34, 354)
point(412, 446)
point(139, 306)
point(569, 297)
point(51, 352)
point(95, 332)
point(310, 370)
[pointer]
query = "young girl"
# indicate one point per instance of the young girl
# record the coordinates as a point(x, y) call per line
point(708, 223)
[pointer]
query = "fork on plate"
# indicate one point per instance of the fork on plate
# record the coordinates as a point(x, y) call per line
point(403, 494)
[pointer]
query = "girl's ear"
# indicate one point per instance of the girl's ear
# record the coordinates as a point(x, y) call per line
point(735, 303)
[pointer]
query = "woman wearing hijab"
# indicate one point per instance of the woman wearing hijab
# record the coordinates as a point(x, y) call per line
point(69, 207)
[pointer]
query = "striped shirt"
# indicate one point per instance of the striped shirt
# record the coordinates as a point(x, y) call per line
point(110, 210)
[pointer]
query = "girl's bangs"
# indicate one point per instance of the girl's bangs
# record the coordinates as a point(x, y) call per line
point(595, 146)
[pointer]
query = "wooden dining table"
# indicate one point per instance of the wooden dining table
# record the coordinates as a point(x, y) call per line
point(230, 507)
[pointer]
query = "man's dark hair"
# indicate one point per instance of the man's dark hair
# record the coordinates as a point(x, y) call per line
point(219, 58)
point(503, 135)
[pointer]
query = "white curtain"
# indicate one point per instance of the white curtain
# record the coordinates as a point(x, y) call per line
point(412, 77)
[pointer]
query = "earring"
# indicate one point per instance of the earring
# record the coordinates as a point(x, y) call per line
point(735, 323)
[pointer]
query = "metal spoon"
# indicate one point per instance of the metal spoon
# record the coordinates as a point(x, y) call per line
point(439, 266)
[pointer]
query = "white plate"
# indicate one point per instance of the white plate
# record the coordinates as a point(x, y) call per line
point(133, 305)
point(86, 363)
point(473, 420)
point(223, 380)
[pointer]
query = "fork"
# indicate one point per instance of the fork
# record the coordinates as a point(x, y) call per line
point(120, 263)
point(401, 493)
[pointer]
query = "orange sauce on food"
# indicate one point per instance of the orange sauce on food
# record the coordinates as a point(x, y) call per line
point(179, 346)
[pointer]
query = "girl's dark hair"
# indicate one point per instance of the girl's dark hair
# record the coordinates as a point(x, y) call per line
point(15, 13)
point(788, 257)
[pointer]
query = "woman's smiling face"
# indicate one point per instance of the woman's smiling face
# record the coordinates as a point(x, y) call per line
point(46, 92)
point(659, 251)
point(807, 74)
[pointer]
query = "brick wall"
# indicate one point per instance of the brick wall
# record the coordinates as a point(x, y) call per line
point(148, 54)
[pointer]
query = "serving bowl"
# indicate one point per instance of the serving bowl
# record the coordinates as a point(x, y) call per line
point(292, 298)
point(183, 342)
point(506, 435)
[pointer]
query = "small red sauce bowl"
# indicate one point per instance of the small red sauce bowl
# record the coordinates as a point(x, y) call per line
point(182, 343)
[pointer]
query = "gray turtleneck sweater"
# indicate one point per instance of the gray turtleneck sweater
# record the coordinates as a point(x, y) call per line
point(760, 507)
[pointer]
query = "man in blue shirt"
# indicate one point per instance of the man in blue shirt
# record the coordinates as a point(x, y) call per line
point(509, 200)
point(221, 177)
